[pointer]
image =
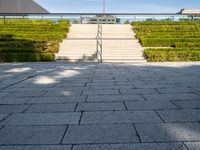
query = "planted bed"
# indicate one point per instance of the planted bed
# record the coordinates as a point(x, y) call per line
point(24, 40)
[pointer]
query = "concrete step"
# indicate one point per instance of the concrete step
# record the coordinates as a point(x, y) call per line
point(77, 57)
point(124, 61)
point(113, 36)
point(122, 57)
point(76, 60)
point(83, 55)
point(105, 52)
point(119, 44)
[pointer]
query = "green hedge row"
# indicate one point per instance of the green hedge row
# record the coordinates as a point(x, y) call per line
point(166, 28)
point(26, 57)
point(35, 29)
point(165, 23)
point(167, 42)
point(33, 37)
point(31, 22)
point(22, 46)
point(162, 55)
point(183, 36)
point(31, 40)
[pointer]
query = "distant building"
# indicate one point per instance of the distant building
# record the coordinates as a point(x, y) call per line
point(190, 11)
point(104, 19)
point(21, 6)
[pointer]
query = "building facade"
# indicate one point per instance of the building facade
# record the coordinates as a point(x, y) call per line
point(104, 19)
point(21, 6)
point(190, 11)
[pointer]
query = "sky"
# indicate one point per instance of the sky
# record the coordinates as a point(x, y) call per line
point(118, 6)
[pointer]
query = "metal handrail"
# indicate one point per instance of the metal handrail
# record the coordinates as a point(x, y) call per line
point(99, 41)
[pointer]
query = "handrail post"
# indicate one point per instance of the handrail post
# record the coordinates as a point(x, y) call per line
point(99, 40)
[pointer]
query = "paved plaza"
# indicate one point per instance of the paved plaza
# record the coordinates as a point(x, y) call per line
point(91, 106)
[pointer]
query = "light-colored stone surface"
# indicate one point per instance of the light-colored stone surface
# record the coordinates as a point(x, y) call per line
point(118, 44)
point(135, 146)
point(93, 106)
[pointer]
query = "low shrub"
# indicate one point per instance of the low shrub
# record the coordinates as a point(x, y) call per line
point(166, 42)
point(162, 55)
point(26, 57)
point(25, 46)
point(31, 40)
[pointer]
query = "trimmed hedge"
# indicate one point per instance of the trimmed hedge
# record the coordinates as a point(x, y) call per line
point(25, 46)
point(166, 42)
point(183, 37)
point(162, 55)
point(27, 57)
point(31, 40)
point(167, 34)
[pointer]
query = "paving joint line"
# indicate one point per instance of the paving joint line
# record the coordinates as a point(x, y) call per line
point(78, 144)
point(125, 106)
point(76, 107)
point(156, 90)
point(171, 101)
point(29, 77)
point(64, 134)
point(185, 145)
point(27, 108)
point(79, 122)
point(86, 99)
point(5, 117)
point(159, 116)
point(137, 134)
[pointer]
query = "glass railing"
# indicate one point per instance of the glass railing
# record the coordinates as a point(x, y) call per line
point(120, 18)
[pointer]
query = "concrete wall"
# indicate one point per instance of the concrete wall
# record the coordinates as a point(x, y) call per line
point(20, 6)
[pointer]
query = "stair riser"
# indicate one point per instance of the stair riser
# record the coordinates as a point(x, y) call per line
point(124, 47)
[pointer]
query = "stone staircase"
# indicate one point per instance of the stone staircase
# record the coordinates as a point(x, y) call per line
point(119, 44)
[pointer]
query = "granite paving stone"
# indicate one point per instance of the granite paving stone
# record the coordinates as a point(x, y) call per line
point(43, 119)
point(150, 105)
point(168, 132)
point(193, 145)
point(188, 104)
point(2, 94)
point(24, 94)
point(180, 115)
point(137, 91)
point(1, 127)
point(178, 96)
point(111, 117)
point(3, 116)
point(25, 89)
point(175, 90)
point(62, 93)
point(50, 108)
point(135, 146)
point(13, 101)
point(90, 134)
point(37, 147)
point(115, 98)
point(100, 92)
point(12, 108)
point(116, 87)
point(31, 135)
point(100, 106)
point(57, 100)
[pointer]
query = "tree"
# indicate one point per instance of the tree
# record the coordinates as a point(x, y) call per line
point(127, 22)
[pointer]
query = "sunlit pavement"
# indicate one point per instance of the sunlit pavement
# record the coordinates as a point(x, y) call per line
point(91, 106)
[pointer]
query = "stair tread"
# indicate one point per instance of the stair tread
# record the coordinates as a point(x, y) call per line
point(119, 44)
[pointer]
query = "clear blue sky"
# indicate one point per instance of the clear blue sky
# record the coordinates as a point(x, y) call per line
point(171, 6)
